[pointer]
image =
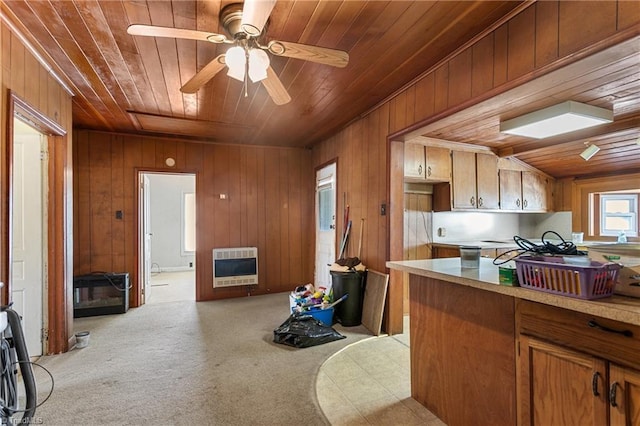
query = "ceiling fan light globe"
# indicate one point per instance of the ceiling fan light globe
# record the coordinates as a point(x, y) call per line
point(258, 64)
point(236, 59)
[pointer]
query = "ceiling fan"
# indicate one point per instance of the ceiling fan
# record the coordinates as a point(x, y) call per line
point(247, 58)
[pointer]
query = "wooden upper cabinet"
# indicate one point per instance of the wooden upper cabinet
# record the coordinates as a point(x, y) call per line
point(475, 180)
point(414, 161)
point(487, 181)
point(534, 192)
point(463, 184)
point(438, 161)
point(426, 163)
point(510, 189)
point(524, 191)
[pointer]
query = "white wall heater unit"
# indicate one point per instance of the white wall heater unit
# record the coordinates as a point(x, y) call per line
point(236, 266)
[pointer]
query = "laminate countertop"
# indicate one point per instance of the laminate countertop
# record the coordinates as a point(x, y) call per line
point(618, 308)
point(504, 244)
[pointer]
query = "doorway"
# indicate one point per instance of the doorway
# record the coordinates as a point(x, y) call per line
point(29, 232)
point(325, 224)
point(167, 231)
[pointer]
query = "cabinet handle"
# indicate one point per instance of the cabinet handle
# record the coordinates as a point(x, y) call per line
point(429, 171)
point(612, 394)
point(473, 201)
point(594, 324)
point(524, 204)
point(420, 169)
point(594, 383)
point(518, 202)
point(479, 201)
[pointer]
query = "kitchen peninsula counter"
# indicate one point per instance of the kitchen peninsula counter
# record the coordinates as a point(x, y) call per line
point(619, 308)
point(473, 343)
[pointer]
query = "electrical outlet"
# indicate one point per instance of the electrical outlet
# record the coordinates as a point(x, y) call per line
point(190, 264)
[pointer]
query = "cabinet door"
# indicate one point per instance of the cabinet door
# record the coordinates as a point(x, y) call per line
point(560, 386)
point(463, 183)
point(487, 176)
point(534, 192)
point(510, 190)
point(438, 161)
point(414, 164)
point(624, 396)
point(443, 252)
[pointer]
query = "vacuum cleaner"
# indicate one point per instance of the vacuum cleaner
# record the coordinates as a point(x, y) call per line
point(13, 353)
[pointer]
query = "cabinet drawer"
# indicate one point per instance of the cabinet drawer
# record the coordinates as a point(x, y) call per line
point(603, 338)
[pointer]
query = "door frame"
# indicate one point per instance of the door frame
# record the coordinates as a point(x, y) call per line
point(58, 313)
point(137, 296)
point(37, 156)
point(333, 161)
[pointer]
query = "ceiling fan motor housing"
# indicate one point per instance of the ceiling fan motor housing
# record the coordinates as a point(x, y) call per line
point(231, 19)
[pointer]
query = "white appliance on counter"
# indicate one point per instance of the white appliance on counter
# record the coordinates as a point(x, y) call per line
point(628, 255)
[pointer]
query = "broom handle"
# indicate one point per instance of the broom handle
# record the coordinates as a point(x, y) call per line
point(360, 239)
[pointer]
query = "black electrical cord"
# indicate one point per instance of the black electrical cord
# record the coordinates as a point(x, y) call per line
point(564, 248)
point(38, 404)
point(107, 276)
point(18, 344)
point(8, 385)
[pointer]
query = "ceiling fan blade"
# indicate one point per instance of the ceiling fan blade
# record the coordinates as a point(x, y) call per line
point(275, 88)
point(153, 31)
point(322, 55)
point(204, 75)
point(254, 15)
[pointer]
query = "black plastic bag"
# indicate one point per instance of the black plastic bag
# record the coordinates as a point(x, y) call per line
point(302, 331)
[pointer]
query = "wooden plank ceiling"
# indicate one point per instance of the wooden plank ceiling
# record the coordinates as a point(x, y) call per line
point(130, 84)
point(608, 79)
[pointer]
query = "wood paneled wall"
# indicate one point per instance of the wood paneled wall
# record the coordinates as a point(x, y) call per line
point(32, 82)
point(268, 203)
point(417, 226)
point(541, 38)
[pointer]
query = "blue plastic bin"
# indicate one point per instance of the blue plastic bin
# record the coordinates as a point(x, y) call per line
point(325, 316)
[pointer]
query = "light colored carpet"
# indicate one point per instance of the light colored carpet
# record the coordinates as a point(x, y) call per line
point(206, 363)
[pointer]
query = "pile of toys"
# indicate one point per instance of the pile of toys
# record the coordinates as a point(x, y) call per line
point(307, 297)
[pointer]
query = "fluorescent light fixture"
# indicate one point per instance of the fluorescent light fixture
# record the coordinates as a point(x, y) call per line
point(589, 152)
point(557, 119)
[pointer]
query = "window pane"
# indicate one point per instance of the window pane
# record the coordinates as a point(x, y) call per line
point(618, 212)
point(613, 223)
point(325, 208)
point(617, 206)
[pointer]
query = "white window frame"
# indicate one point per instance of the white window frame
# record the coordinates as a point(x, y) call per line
point(632, 199)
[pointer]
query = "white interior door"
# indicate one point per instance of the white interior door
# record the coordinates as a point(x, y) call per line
point(325, 224)
point(29, 232)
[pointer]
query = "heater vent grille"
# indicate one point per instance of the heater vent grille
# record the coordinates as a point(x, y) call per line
point(237, 266)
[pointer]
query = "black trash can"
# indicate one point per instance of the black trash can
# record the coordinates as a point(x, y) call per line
point(348, 312)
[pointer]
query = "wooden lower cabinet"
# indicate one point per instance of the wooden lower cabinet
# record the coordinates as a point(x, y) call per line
point(557, 386)
point(624, 394)
point(573, 373)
